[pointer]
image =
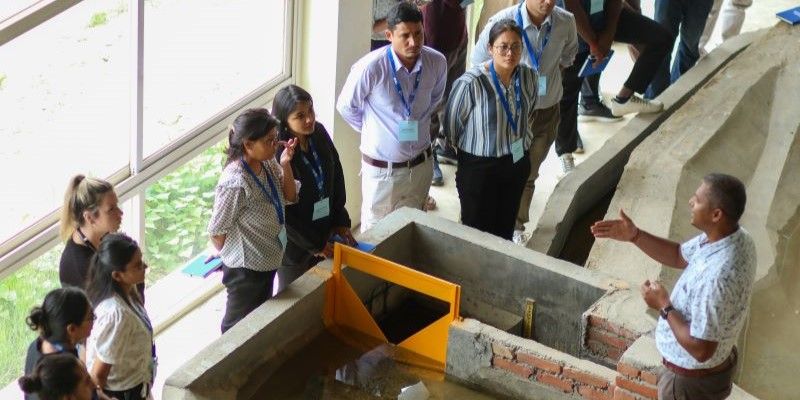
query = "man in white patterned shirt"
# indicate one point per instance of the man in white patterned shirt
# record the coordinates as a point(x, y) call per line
point(701, 320)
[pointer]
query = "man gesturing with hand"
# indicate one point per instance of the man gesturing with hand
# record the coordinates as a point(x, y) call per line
point(700, 322)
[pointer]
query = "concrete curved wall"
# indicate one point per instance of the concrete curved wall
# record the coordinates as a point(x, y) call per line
point(744, 122)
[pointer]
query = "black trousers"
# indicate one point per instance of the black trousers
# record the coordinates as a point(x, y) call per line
point(247, 289)
point(632, 28)
point(134, 393)
point(489, 189)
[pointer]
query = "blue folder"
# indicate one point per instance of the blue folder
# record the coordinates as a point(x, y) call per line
point(363, 246)
point(588, 67)
point(199, 267)
point(790, 16)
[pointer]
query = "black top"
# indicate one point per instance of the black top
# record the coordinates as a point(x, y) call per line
point(307, 237)
point(74, 266)
point(34, 355)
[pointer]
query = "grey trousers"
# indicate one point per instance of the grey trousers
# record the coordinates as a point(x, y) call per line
point(712, 387)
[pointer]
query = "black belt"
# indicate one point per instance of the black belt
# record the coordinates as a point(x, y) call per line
point(405, 164)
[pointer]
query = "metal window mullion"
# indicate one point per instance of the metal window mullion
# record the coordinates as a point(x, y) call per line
point(137, 116)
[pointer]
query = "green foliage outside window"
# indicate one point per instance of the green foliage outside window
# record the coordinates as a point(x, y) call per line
point(177, 210)
point(20, 292)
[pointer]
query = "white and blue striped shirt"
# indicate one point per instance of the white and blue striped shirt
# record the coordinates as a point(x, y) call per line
point(475, 120)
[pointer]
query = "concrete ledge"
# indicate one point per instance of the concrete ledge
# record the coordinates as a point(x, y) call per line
point(270, 333)
point(593, 179)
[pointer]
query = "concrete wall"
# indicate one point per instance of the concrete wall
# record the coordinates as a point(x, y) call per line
point(495, 275)
point(255, 346)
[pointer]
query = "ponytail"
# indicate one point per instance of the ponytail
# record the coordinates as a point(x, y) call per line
point(83, 194)
point(55, 376)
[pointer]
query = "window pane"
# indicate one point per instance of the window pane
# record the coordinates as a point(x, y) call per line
point(64, 96)
point(177, 210)
point(19, 292)
point(11, 7)
point(202, 56)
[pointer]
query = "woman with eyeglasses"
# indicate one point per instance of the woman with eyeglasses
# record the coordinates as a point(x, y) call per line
point(319, 214)
point(487, 118)
point(248, 222)
point(58, 376)
point(63, 321)
point(121, 353)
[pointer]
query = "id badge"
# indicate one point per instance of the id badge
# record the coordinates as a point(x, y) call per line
point(596, 7)
point(322, 208)
point(282, 236)
point(409, 131)
point(517, 151)
point(542, 85)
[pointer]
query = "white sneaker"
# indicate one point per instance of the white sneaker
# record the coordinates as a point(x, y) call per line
point(520, 238)
point(567, 163)
point(635, 104)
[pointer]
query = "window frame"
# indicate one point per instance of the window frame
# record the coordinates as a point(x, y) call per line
point(131, 181)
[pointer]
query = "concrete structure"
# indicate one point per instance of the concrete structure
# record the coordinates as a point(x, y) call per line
point(741, 120)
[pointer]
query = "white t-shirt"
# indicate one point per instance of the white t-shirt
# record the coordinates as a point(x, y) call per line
point(121, 338)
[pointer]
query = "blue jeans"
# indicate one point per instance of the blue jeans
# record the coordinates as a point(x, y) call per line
point(690, 17)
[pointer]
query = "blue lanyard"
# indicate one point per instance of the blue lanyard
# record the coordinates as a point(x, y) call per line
point(315, 165)
point(406, 105)
point(534, 56)
point(274, 198)
point(501, 94)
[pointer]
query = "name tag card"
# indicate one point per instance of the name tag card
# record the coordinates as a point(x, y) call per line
point(517, 151)
point(282, 237)
point(409, 131)
point(542, 85)
point(596, 6)
point(322, 208)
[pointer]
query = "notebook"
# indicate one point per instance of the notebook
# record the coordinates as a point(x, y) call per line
point(589, 69)
point(790, 16)
point(199, 267)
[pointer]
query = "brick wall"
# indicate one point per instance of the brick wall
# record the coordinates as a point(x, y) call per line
point(606, 340)
point(629, 383)
point(555, 374)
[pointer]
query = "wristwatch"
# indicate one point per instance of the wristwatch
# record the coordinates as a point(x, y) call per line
point(664, 312)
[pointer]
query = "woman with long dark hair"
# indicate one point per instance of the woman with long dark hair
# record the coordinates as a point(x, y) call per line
point(248, 223)
point(319, 214)
point(63, 321)
point(58, 376)
point(488, 118)
point(120, 351)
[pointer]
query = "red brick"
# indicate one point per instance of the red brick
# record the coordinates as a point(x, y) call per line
point(501, 350)
point(591, 393)
point(650, 377)
point(643, 389)
point(604, 324)
point(614, 354)
point(628, 370)
point(540, 363)
point(585, 377)
point(553, 380)
point(622, 394)
point(608, 338)
point(510, 366)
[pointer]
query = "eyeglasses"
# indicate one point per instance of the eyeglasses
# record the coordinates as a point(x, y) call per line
point(271, 140)
point(504, 48)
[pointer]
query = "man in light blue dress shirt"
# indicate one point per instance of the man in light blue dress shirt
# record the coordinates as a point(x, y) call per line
point(701, 321)
point(389, 97)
